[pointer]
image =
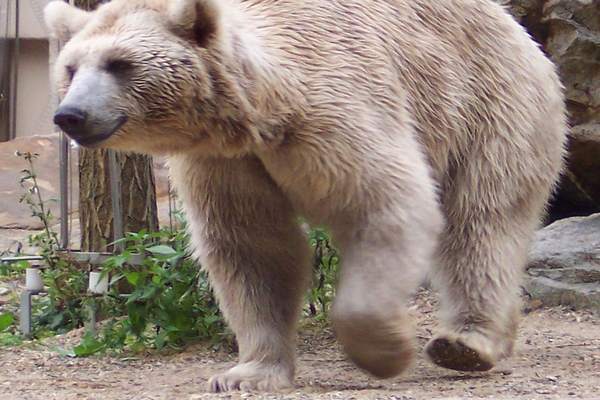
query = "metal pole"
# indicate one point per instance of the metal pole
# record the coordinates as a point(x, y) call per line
point(12, 132)
point(63, 156)
point(25, 313)
point(115, 194)
point(63, 159)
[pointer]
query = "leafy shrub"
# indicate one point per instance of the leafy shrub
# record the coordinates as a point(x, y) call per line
point(8, 330)
point(65, 281)
point(167, 300)
point(62, 309)
point(164, 302)
point(325, 269)
point(13, 270)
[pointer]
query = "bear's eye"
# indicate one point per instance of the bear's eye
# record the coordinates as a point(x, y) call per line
point(71, 70)
point(118, 66)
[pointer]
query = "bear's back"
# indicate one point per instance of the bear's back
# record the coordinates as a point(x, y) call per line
point(453, 64)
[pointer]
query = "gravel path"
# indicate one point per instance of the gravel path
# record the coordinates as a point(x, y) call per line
point(558, 356)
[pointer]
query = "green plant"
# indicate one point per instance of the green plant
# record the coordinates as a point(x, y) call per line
point(8, 335)
point(14, 269)
point(66, 281)
point(62, 309)
point(6, 320)
point(164, 302)
point(47, 240)
point(167, 300)
point(325, 270)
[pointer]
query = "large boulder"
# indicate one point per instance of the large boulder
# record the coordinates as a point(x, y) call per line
point(564, 267)
point(569, 32)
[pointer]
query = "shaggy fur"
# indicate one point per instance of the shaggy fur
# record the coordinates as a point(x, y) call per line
point(427, 135)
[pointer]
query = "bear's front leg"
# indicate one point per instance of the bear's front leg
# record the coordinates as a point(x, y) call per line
point(387, 248)
point(247, 238)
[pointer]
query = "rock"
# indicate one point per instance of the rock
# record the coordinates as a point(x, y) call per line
point(569, 32)
point(529, 14)
point(564, 266)
point(569, 243)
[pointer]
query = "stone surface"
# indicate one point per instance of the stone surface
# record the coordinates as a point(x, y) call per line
point(569, 32)
point(14, 215)
point(564, 267)
point(16, 221)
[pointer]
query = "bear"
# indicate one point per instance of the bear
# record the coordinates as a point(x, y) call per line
point(427, 136)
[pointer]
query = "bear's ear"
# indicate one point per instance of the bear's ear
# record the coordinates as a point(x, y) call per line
point(64, 21)
point(195, 19)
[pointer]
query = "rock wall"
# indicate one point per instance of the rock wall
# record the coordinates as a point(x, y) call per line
point(564, 266)
point(569, 32)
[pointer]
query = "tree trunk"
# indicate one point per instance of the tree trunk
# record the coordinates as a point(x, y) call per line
point(95, 206)
point(137, 191)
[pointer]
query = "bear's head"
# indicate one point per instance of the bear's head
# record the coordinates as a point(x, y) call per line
point(140, 75)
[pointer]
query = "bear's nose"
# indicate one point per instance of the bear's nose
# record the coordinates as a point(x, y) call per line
point(71, 120)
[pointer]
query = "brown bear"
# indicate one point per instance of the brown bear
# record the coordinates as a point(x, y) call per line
point(426, 135)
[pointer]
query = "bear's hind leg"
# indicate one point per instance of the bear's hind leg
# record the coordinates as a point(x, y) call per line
point(249, 241)
point(482, 257)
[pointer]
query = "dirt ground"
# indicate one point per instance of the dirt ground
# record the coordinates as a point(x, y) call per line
point(558, 356)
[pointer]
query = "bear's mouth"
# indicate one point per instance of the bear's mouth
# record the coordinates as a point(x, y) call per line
point(93, 140)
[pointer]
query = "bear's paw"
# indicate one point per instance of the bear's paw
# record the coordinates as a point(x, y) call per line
point(252, 376)
point(465, 351)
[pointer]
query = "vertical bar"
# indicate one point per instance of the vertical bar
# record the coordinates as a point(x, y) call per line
point(115, 194)
point(25, 320)
point(63, 156)
point(12, 132)
point(170, 194)
point(92, 310)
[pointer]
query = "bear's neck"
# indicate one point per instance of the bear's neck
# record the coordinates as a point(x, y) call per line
point(254, 97)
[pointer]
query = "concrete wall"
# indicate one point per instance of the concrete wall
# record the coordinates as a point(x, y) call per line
point(31, 23)
point(33, 89)
point(33, 111)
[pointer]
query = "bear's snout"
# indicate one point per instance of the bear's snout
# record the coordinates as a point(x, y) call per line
point(87, 130)
point(72, 121)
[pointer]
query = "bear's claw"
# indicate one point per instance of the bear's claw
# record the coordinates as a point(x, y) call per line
point(457, 356)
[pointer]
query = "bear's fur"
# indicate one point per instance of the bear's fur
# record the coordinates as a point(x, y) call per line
point(427, 135)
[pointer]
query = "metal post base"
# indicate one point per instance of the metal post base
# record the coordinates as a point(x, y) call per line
point(25, 310)
point(92, 319)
